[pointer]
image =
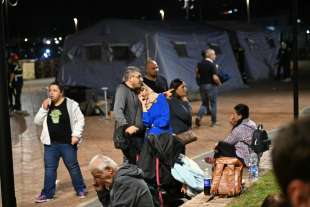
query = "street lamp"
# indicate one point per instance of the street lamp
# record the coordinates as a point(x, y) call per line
point(248, 10)
point(162, 14)
point(75, 20)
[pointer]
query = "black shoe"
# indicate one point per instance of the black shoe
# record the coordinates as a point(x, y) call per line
point(197, 122)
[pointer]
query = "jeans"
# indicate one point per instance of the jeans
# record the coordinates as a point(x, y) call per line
point(52, 154)
point(208, 93)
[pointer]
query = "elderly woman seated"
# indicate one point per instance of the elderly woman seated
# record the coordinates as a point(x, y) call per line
point(237, 143)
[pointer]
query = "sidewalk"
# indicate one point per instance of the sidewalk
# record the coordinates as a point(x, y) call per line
point(270, 104)
point(201, 200)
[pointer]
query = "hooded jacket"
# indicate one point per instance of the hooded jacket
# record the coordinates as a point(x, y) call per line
point(77, 121)
point(128, 189)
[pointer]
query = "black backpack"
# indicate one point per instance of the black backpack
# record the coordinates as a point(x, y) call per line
point(260, 141)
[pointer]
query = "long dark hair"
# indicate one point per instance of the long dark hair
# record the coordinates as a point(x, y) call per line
point(175, 84)
point(243, 111)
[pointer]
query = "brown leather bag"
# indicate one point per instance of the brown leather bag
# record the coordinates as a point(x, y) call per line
point(187, 137)
point(227, 176)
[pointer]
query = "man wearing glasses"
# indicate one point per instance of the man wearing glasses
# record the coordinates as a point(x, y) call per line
point(156, 82)
point(129, 130)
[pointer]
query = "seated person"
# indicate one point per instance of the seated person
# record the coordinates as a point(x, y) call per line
point(160, 150)
point(180, 108)
point(237, 143)
point(119, 185)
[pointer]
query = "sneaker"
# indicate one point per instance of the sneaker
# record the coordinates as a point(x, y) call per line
point(82, 194)
point(197, 122)
point(287, 80)
point(42, 199)
point(214, 124)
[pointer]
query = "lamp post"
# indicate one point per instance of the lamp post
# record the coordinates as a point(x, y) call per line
point(295, 58)
point(248, 10)
point(6, 161)
point(75, 20)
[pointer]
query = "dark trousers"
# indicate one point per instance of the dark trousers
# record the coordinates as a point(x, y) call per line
point(10, 94)
point(286, 70)
point(224, 149)
point(17, 96)
point(133, 150)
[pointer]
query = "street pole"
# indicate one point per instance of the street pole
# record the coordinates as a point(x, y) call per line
point(295, 59)
point(6, 160)
point(248, 10)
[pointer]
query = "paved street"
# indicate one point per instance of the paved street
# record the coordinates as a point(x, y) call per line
point(270, 103)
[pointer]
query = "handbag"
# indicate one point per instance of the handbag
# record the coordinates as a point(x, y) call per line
point(187, 137)
point(227, 176)
point(119, 139)
point(223, 76)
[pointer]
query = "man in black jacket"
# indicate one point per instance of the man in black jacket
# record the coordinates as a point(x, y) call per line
point(119, 186)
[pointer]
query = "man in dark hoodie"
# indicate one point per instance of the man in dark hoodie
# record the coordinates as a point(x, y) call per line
point(128, 115)
point(119, 186)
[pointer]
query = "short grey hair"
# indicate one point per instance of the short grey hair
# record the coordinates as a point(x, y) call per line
point(129, 71)
point(101, 162)
point(208, 51)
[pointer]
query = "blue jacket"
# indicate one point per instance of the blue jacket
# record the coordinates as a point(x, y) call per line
point(157, 118)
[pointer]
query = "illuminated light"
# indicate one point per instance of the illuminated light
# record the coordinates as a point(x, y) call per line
point(229, 11)
point(45, 55)
point(47, 51)
point(308, 31)
point(26, 39)
point(271, 28)
point(235, 10)
point(298, 20)
point(48, 42)
point(60, 38)
point(56, 42)
point(162, 14)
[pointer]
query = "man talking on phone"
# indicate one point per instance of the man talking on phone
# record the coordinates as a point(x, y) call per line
point(63, 124)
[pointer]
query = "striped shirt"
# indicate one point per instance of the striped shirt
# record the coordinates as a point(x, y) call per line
point(240, 134)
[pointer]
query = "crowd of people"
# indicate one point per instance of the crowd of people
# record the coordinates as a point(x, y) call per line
point(149, 116)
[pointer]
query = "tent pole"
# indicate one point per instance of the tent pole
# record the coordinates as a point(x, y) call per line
point(147, 55)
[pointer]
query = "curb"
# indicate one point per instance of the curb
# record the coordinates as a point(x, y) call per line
point(198, 159)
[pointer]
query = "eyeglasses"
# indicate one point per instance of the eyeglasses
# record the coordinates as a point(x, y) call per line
point(137, 76)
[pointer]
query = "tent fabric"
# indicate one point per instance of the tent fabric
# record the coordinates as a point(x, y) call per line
point(260, 47)
point(260, 54)
point(144, 38)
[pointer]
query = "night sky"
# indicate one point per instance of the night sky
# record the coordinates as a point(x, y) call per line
point(55, 17)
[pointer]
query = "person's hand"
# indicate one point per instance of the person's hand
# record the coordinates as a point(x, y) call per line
point(131, 130)
point(46, 103)
point(142, 99)
point(74, 140)
point(97, 186)
point(184, 98)
point(169, 93)
point(184, 188)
